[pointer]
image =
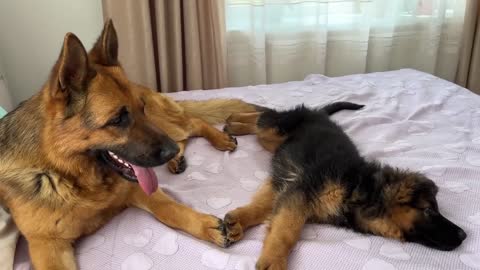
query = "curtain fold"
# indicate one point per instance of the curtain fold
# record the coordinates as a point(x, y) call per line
point(181, 44)
point(270, 41)
point(468, 74)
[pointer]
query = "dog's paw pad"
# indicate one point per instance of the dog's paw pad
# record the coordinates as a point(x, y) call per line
point(216, 231)
point(234, 141)
point(233, 229)
point(226, 142)
point(182, 165)
point(177, 165)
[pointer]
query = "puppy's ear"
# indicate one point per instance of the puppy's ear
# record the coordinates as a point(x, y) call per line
point(105, 50)
point(425, 187)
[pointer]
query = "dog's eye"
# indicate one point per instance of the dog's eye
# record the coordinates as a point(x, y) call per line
point(120, 120)
point(428, 211)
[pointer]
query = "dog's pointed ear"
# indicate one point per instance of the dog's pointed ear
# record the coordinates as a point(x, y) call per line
point(105, 50)
point(72, 67)
point(71, 74)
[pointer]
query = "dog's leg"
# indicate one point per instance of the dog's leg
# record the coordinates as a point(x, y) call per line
point(51, 254)
point(178, 164)
point(178, 216)
point(242, 123)
point(247, 123)
point(220, 140)
point(285, 228)
point(239, 220)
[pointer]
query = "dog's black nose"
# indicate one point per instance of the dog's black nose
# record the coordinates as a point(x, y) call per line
point(167, 152)
point(461, 234)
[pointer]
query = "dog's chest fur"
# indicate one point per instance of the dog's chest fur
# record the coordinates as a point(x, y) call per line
point(60, 209)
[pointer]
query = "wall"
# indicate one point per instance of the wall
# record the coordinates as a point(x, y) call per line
point(5, 97)
point(31, 36)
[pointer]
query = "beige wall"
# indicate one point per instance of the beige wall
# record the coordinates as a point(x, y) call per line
point(5, 98)
point(31, 35)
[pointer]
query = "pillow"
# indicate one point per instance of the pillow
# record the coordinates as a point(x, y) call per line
point(2, 112)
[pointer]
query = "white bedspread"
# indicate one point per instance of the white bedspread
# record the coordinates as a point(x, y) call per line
point(411, 119)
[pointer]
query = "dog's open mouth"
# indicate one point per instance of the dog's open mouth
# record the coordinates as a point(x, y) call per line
point(146, 177)
point(121, 166)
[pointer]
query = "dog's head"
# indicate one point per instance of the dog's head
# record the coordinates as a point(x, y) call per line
point(409, 211)
point(93, 112)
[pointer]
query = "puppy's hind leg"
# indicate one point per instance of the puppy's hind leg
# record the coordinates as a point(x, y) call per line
point(285, 228)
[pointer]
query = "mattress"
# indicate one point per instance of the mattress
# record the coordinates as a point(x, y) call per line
point(411, 120)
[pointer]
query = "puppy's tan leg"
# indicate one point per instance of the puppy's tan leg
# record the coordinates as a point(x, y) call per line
point(239, 220)
point(220, 140)
point(178, 164)
point(285, 229)
point(270, 139)
point(178, 216)
point(51, 254)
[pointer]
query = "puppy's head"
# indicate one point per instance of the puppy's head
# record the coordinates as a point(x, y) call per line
point(411, 206)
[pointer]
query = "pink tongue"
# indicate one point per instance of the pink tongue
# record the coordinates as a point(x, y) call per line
point(146, 178)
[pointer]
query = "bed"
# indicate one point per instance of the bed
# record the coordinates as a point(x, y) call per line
point(411, 120)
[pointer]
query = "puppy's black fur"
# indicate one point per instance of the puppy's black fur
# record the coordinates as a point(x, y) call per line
point(377, 199)
point(318, 175)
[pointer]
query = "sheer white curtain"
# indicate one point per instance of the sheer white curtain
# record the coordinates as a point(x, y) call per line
point(270, 41)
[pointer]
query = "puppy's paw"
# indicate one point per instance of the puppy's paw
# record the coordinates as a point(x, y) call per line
point(177, 165)
point(271, 264)
point(233, 228)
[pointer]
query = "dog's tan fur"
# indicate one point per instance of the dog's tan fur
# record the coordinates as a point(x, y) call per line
point(54, 186)
point(185, 119)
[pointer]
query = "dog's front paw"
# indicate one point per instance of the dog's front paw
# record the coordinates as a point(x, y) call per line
point(226, 142)
point(233, 228)
point(177, 165)
point(265, 263)
point(215, 231)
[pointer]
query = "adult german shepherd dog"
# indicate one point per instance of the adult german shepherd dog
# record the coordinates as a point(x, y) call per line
point(71, 156)
point(319, 176)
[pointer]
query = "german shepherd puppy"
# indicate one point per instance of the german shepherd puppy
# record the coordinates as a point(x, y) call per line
point(81, 150)
point(319, 176)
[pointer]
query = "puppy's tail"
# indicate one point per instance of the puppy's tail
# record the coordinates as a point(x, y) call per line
point(338, 106)
point(216, 111)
